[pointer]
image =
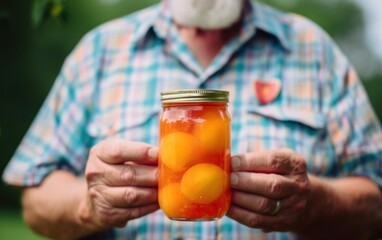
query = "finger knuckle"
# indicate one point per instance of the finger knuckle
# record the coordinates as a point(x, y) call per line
point(131, 196)
point(275, 186)
point(90, 175)
point(128, 174)
point(300, 165)
point(275, 160)
point(93, 173)
point(91, 170)
point(93, 193)
point(265, 206)
point(97, 198)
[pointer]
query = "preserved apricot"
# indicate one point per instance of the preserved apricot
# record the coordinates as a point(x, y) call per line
point(172, 201)
point(179, 150)
point(203, 183)
point(213, 133)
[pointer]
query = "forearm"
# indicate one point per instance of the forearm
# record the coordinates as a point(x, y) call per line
point(53, 208)
point(348, 208)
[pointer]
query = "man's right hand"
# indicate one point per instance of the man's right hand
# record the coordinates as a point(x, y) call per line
point(122, 180)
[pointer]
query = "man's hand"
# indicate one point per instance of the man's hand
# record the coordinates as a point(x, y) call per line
point(122, 181)
point(259, 180)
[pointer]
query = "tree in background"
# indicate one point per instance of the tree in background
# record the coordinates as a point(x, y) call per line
point(36, 36)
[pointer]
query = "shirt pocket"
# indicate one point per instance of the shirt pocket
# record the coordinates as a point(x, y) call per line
point(275, 126)
point(138, 125)
point(309, 118)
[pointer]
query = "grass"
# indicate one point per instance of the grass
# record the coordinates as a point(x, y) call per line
point(12, 226)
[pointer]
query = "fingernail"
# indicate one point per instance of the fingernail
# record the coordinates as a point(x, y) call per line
point(235, 162)
point(234, 179)
point(153, 153)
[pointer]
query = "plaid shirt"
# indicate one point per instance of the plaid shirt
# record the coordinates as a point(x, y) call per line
point(110, 85)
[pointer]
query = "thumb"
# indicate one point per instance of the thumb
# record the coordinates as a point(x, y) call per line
point(119, 151)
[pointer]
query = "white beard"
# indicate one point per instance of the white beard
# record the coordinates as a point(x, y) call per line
point(206, 14)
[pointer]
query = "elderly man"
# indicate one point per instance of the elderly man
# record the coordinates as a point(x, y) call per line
point(306, 145)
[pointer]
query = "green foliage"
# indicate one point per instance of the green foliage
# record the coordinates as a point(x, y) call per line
point(373, 87)
point(336, 17)
point(13, 228)
point(45, 9)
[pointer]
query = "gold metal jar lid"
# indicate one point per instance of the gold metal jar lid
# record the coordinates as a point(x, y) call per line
point(194, 95)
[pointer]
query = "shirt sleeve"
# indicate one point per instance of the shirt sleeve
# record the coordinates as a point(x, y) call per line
point(57, 138)
point(353, 127)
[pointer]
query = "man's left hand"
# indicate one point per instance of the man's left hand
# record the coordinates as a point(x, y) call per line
point(270, 190)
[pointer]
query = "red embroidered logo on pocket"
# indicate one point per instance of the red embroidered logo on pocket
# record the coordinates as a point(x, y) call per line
point(267, 91)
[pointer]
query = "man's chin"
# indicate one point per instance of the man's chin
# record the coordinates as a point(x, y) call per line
point(223, 14)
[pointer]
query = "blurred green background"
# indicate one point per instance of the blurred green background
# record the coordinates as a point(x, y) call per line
point(35, 39)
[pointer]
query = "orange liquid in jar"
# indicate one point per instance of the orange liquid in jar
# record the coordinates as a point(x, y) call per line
point(194, 161)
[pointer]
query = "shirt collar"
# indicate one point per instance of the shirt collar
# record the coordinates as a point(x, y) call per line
point(271, 21)
point(144, 22)
point(163, 23)
point(257, 16)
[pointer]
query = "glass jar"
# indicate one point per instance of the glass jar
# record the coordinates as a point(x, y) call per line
point(194, 155)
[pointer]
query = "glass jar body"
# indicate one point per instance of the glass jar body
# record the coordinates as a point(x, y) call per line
point(194, 161)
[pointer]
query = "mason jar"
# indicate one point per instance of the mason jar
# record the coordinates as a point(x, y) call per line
point(194, 155)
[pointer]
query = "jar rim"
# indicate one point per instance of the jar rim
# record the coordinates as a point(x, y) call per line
point(195, 95)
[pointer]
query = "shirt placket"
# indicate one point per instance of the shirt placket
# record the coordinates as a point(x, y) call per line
point(178, 49)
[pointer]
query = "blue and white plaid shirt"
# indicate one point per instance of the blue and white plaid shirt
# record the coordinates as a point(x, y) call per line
point(110, 84)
